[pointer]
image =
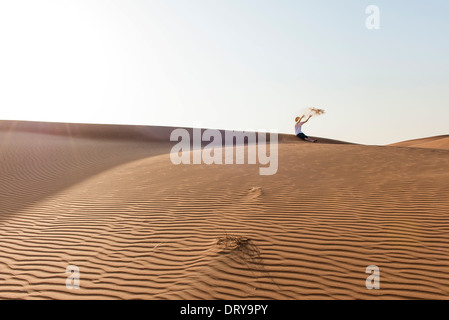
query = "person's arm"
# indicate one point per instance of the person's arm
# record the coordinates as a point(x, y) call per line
point(307, 119)
point(300, 118)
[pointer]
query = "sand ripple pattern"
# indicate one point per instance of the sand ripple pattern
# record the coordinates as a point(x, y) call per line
point(139, 227)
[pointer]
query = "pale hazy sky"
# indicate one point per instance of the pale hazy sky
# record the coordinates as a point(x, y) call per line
point(234, 64)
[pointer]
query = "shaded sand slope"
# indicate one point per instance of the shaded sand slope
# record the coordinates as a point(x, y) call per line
point(138, 226)
point(34, 166)
point(437, 142)
point(83, 130)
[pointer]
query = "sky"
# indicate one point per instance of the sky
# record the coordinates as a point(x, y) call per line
point(234, 64)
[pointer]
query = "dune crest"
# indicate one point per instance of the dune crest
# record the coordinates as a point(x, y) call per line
point(437, 142)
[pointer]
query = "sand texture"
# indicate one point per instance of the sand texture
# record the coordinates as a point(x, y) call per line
point(109, 200)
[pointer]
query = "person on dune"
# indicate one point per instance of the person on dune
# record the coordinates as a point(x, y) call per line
point(298, 129)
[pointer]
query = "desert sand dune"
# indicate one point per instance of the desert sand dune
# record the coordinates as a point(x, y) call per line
point(437, 142)
point(139, 227)
point(116, 132)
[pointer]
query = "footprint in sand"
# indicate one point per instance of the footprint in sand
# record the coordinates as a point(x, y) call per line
point(254, 193)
